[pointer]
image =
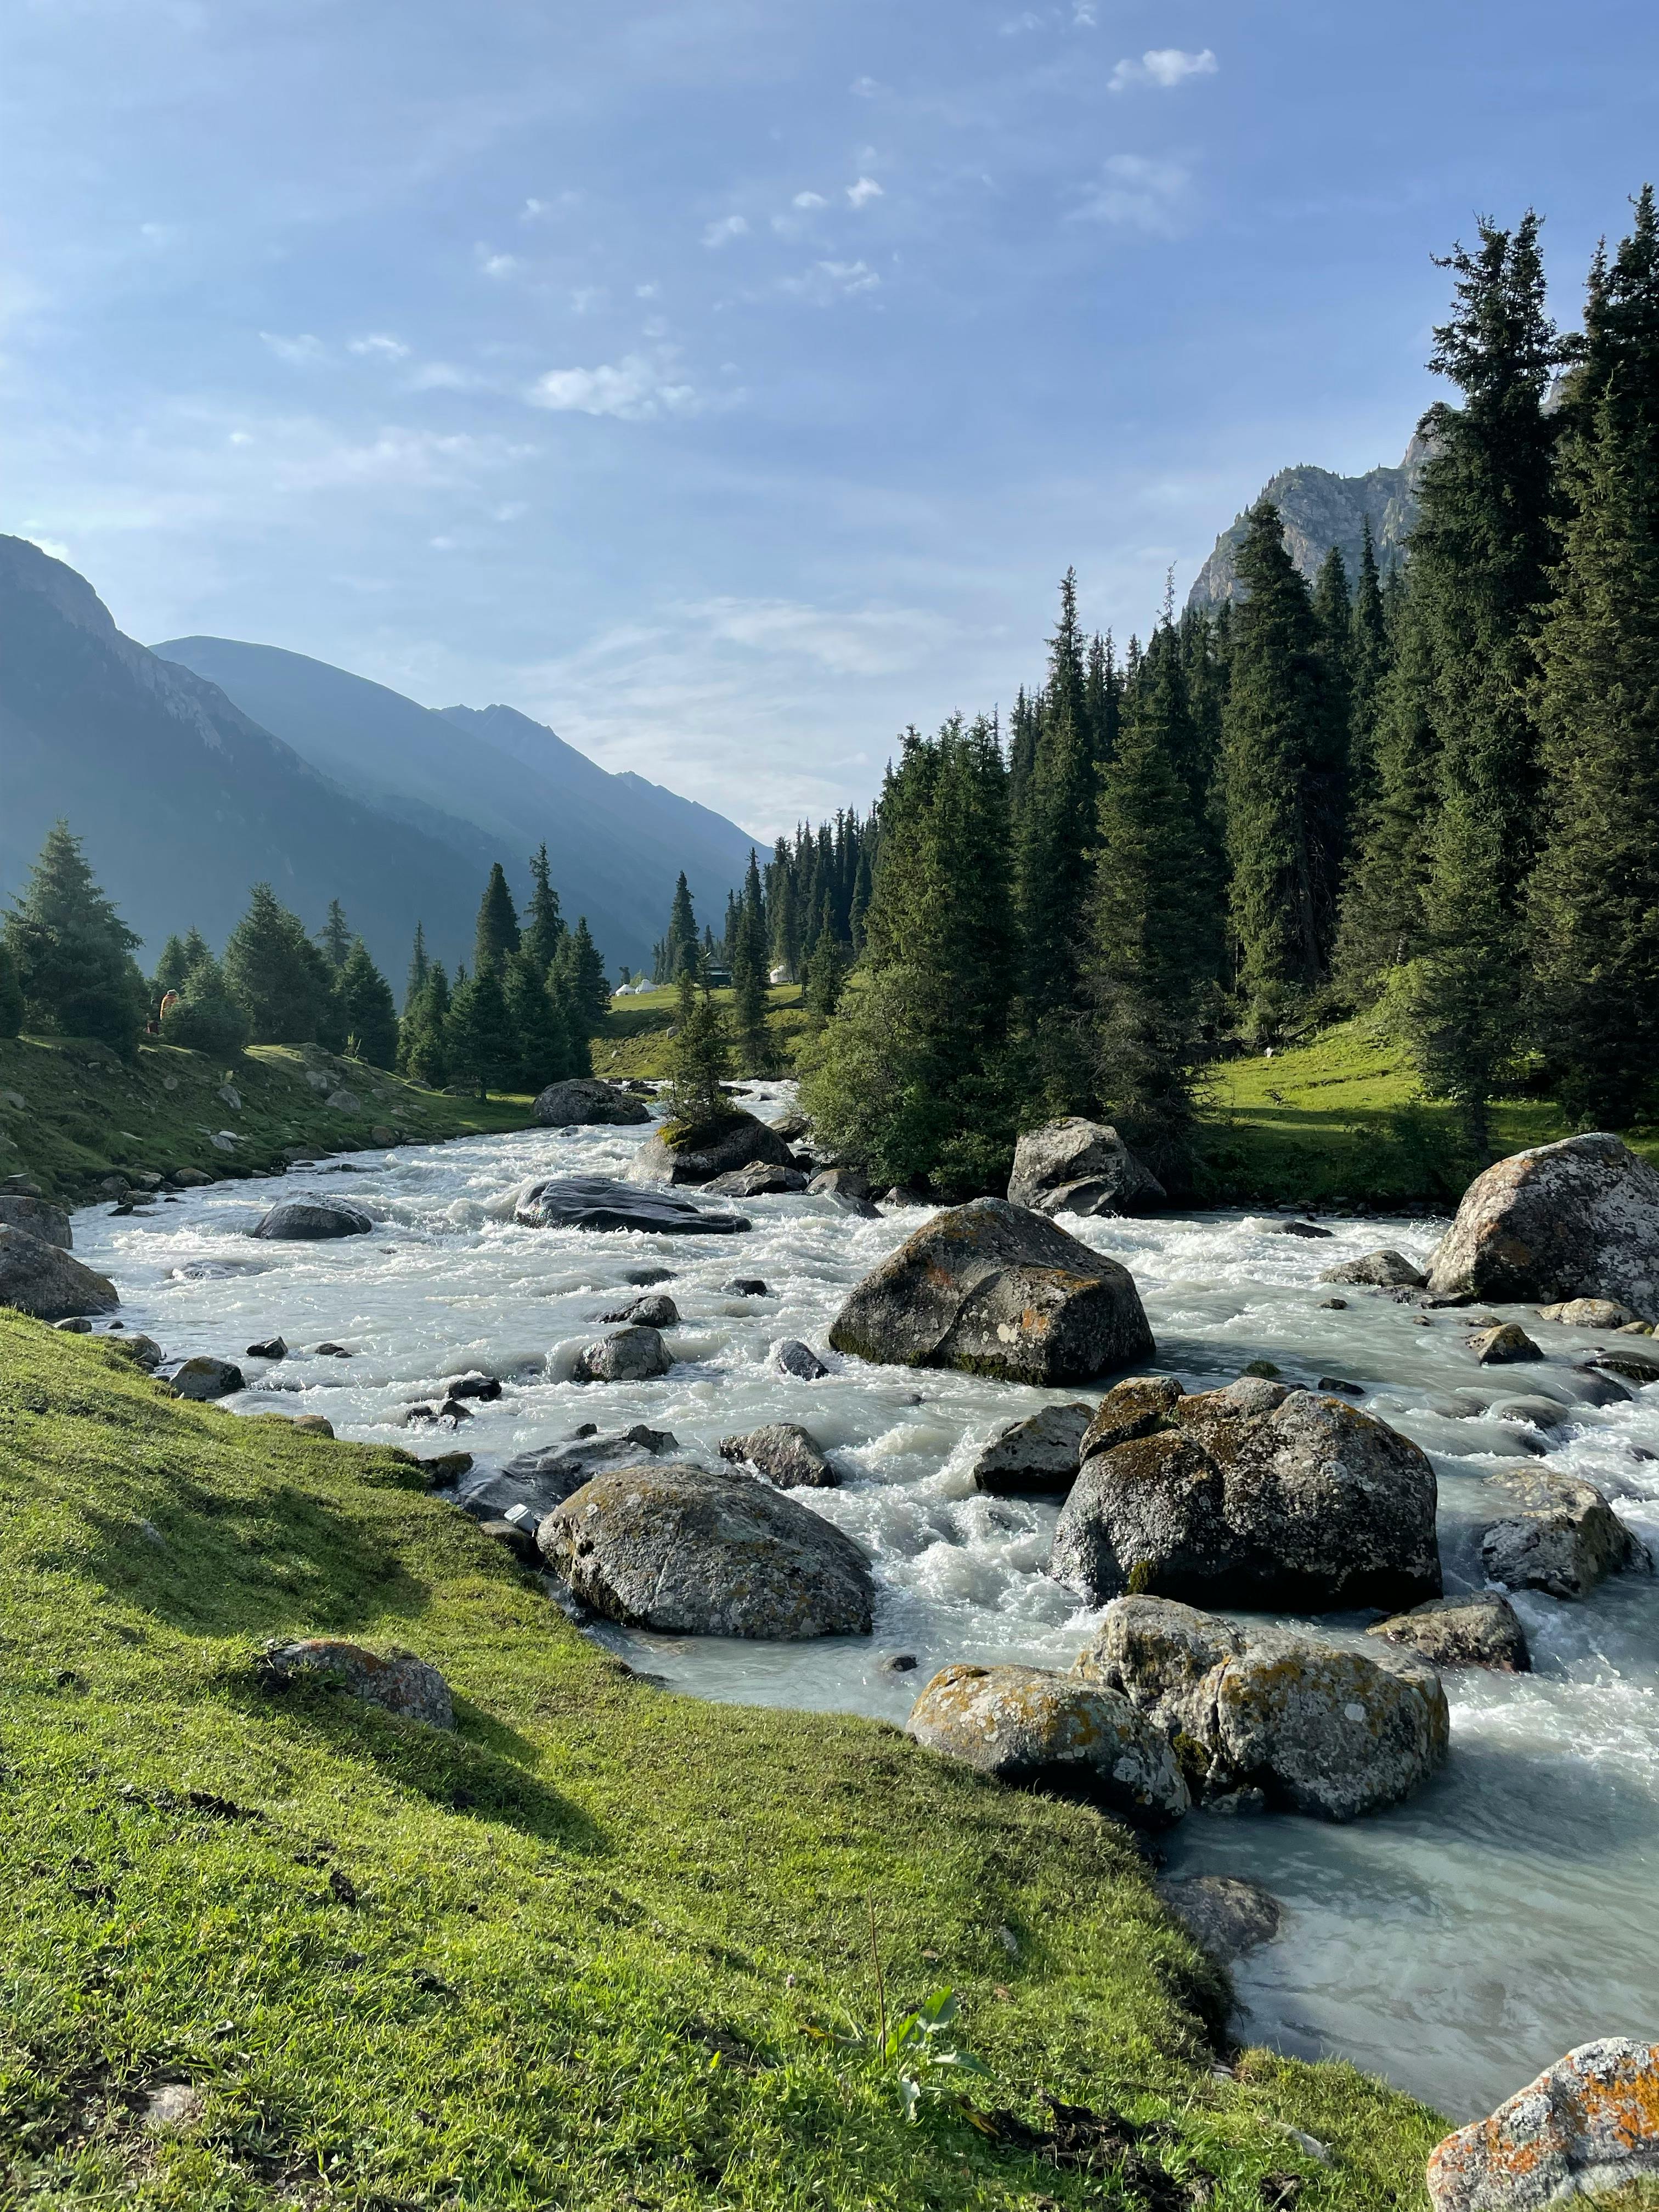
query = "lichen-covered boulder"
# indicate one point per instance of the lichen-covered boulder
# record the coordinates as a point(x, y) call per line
point(1037, 1457)
point(697, 1152)
point(1588, 1313)
point(1384, 1271)
point(43, 1279)
point(635, 1354)
point(1041, 1730)
point(584, 1101)
point(1255, 1495)
point(400, 1683)
point(1589, 2124)
point(1480, 1629)
point(309, 1219)
point(1076, 1166)
point(1559, 1535)
point(36, 1217)
point(688, 1551)
point(201, 1377)
point(996, 1290)
point(1578, 1219)
point(788, 1455)
point(602, 1203)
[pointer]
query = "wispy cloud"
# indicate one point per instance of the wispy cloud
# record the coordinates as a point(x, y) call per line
point(635, 389)
point(866, 642)
point(1163, 66)
point(441, 376)
point(831, 280)
point(1137, 191)
point(860, 194)
point(866, 88)
point(809, 200)
point(302, 352)
point(498, 265)
point(379, 345)
point(728, 228)
point(534, 211)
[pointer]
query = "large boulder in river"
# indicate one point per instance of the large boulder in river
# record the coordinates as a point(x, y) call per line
point(996, 1290)
point(1041, 1730)
point(1255, 1495)
point(697, 1151)
point(633, 1354)
point(1578, 1219)
point(1037, 1457)
point(36, 1217)
point(1075, 1166)
point(1559, 1535)
point(41, 1278)
point(309, 1220)
point(688, 1551)
point(1588, 2125)
point(1325, 1731)
point(1479, 1629)
point(788, 1455)
point(584, 1100)
point(600, 1202)
point(1385, 1270)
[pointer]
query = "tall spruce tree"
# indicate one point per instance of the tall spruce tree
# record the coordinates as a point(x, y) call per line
point(545, 930)
point(1381, 923)
point(581, 970)
point(479, 1043)
point(1274, 737)
point(284, 982)
point(700, 1058)
point(11, 993)
point(749, 975)
point(72, 951)
point(423, 1053)
point(420, 967)
point(204, 1018)
point(497, 932)
point(179, 955)
point(1595, 896)
point(334, 936)
point(1052, 866)
point(680, 946)
point(368, 1009)
point(1368, 668)
point(538, 1019)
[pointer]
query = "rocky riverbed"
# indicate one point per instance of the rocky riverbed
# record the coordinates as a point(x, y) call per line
point(1454, 1942)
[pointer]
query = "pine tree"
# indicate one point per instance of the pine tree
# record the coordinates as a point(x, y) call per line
point(1053, 865)
point(11, 994)
point(546, 931)
point(497, 933)
point(179, 955)
point(419, 968)
point(1593, 900)
point(826, 974)
point(479, 1043)
point(543, 1040)
point(282, 982)
point(1480, 556)
point(581, 968)
point(73, 953)
point(205, 1018)
point(1328, 756)
point(1381, 923)
point(335, 935)
point(863, 888)
point(699, 1057)
point(1273, 737)
point(1368, 665)
point(368, 1009)
point(423, 1053)
point(749, 976)
point(680, 946)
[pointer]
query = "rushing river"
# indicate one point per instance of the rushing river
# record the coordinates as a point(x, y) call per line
point(1455, 1944)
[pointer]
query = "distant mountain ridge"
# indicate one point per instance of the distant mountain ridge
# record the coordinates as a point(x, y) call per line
point(1321, 509)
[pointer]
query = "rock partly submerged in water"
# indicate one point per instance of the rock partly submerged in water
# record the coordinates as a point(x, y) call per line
point(43, 1279)
point(1037, 1457)
point(788, 1455)
point(1224, 1914)
point(1330, 1732)
point(688, 1551)
point(1480, 1629)
point(1077, 1166)
point(600, 1202)
point(583, 1102)
point(1384, 1271)
point(633, 1354)
point(1255, 1495)
point(1588, 2125)
point(760, 1179)
point(1577, 1219)
point(996, 1290)
point(697, 1152)
point(1037, 1730)
point(201, 1377)
point(311, 1220)
point(1561, 1536)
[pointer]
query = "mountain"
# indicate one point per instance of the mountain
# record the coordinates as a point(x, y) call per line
point(617, 842)
point(183, 801)
point(1321, 510)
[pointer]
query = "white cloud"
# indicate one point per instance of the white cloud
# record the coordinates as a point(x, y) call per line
point(832, 280)
point(809, 200)
point(381, 345)
point(728, 227)
point(646, 291)
point(635, 389)
point(1084, 17)
point(865, 87)
point(1137, 193)
point(1164, 66)
point(860, 194)
point(870, 641)
point(544, 210)
point(302, 352)
point(440, 376)
point(491, 263)
point(53, 548)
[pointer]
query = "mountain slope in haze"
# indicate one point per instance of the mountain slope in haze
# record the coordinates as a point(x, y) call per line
point(182, 800)
point(1319, 510)
point(615, 842)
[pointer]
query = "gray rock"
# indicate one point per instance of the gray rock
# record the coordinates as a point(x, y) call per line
point(189, 1179)
point(656, 1310)
point(201, 1377)
point(688, 1551)
point(744, 1286)
point(598, 1202)
point(1588, 1313)
point(1641, 1368)
point(996, 1290)
point(1252, 1496)
point(274, 1347)
point(1385, 1270)
point(1590, 1389)
point(531, 1484)
point(143, 1351)
point(1224, 1914)
point(516, 1538)
point(1037, 1457)
point(1578, 1219)
point(43, 1279)
point(1040, 1731)
point(847, 1190)
point(1538, 1412)
point(1479, 1630)
point(309, 1220)
point(759, 1180)
point(1564, 1539)
point(1325, 1731)
point(586, 1101)
point(631, 1355)
point(399, 1683)
point(76, 1325)
point(344, 1101)
point(1503, 1346)
point(1074, 1166)
point(789, 1456)
point(37, 1217)
point(1585, 2128)
point(677, 1154)
point(1309, 1229)
point(798, 1359)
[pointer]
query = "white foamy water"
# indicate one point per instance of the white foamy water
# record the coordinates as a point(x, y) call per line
point(1455, 1944)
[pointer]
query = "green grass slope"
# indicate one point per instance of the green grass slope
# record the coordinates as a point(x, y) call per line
point(571, 1955)
point(71, 1112)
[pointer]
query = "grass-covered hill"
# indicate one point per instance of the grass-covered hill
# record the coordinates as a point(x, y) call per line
point(263, 1947)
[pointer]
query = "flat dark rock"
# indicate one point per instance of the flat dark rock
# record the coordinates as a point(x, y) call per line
point(1037, 1457)
point(598, 1202)
point(306, 1219)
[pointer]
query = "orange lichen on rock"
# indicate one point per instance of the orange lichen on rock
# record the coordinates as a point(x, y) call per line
point(1589, 2123)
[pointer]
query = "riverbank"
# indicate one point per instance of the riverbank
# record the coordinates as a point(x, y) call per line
point(574, 1951)
point(72, 1112)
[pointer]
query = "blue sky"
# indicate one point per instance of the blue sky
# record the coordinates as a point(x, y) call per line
point(728, 383)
